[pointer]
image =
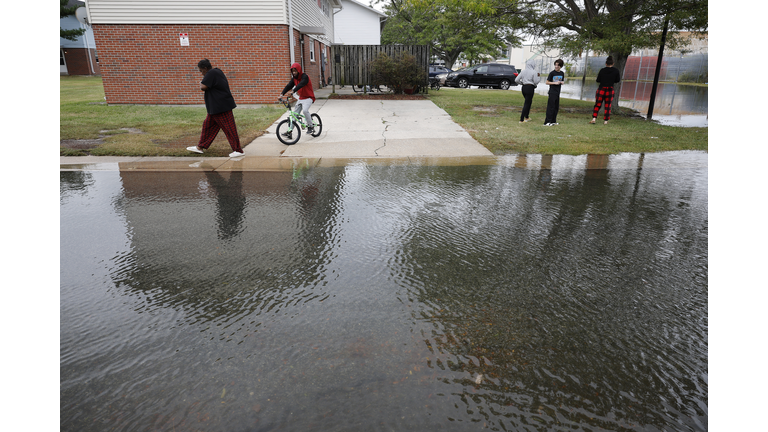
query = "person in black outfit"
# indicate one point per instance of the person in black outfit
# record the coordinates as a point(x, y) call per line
point(607, 77)
point(554, 80)
point(219, 103)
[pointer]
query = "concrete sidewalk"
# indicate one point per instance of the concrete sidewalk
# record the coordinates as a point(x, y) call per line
point(373, 128)
point(352, 129)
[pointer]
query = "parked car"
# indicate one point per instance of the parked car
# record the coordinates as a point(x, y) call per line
point(484, 75)
point(435, 70)
point(442, 77)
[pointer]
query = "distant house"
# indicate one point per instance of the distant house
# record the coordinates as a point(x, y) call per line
point(148, 51)
point(77, 57)
point(358, 24)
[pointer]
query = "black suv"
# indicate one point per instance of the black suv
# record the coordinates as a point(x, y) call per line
point(484, 75)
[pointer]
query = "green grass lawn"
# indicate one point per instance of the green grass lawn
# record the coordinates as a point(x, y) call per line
point(141, 130)
point(492, 117)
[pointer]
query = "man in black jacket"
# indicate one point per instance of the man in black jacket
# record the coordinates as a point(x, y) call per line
point(219, 103)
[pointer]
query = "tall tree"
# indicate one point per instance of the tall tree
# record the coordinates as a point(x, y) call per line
point(613, 27)
point(65, 12)
point(451, 27)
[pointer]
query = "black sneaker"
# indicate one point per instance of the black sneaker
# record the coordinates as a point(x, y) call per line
point(287, 135)
point(311, 131)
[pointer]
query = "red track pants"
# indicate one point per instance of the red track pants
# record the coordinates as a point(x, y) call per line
point(603, 94)
point(211, 126)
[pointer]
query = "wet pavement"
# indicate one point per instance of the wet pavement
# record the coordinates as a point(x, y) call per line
point(384, 291)
point(524, 292)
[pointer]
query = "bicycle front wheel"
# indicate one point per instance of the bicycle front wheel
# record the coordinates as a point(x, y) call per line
point(318, 125)
point(286, 134)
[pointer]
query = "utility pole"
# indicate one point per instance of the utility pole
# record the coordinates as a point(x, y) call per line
point(658, 70)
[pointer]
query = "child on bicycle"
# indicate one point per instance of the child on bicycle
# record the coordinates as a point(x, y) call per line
point(301, 85)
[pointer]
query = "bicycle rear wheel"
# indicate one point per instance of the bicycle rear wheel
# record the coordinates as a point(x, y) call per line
point(318, 125)
point(286, 135)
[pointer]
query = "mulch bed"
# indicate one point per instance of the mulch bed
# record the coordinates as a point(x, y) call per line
point(377, 96)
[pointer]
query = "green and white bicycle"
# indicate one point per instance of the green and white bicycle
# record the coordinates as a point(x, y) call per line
point(289, 130)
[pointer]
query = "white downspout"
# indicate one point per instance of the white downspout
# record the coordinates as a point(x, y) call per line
point(87, 48)
point(85, 35)
point(290, 30)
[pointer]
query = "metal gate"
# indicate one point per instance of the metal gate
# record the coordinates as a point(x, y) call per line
point(351, 62)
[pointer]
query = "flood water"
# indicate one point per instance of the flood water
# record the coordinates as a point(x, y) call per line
point(675, 104)
point(530, 293)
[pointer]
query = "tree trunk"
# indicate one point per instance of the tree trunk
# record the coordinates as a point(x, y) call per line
point(619, 62)
point(451, 57)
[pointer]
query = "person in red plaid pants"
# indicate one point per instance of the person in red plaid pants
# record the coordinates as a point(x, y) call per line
point(607, 77)
point(219, 103)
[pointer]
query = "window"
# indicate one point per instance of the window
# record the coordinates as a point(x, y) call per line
point(482, 69)
point(61, 58)
point(311, 50)
point(326, 7)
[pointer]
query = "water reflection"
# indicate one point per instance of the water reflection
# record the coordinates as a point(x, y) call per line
point(522, 316)
point(536, 292)
point(230, 202)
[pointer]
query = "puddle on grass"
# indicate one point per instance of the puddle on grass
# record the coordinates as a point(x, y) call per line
point(88, 144)
point(532, 293)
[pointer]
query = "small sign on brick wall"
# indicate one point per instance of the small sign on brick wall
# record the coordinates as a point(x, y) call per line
point(184, 39)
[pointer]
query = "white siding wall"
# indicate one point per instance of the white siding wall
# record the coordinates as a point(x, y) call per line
point(357, 25)
point(188, 11)
point(307, 13)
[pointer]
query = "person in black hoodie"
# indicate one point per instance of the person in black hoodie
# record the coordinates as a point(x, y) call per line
point(219, 103)
point(607, 77)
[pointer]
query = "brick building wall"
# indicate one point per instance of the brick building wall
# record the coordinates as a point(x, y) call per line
point(77, 61)
point(311, 68)
point(146, 64)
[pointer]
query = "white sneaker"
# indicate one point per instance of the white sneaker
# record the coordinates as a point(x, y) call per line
point(549, 124)
point(236, 154)
point(194, 149)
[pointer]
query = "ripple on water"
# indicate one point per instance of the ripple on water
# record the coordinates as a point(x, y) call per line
point(411, 297)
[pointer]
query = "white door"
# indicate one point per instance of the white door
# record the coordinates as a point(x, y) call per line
point(63, 63)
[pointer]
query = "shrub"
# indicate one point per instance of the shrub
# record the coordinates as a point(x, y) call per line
point(397, 73)
point(569, 70)
point(691, 77)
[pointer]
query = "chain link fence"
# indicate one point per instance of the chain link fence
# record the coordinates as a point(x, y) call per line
point(679, 68)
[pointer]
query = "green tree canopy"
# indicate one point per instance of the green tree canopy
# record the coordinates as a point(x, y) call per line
point(613, 27)
point(452, 28)
point(65, 12)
